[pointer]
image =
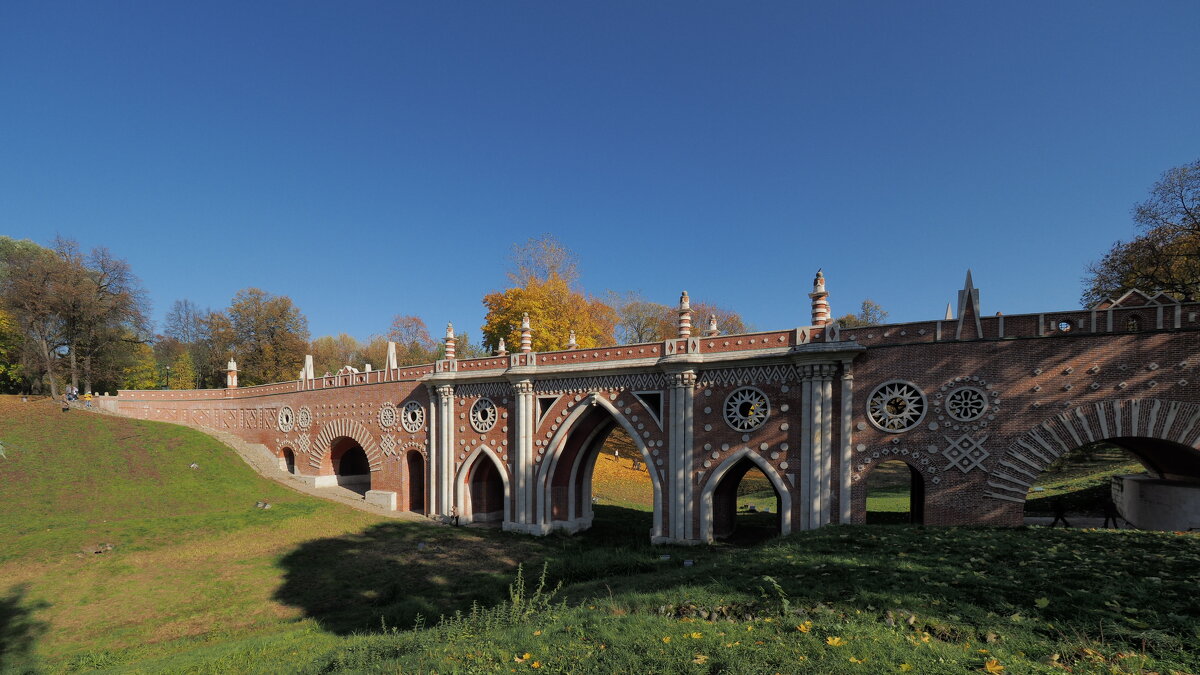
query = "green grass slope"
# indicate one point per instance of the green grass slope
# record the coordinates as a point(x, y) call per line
point(199, 581)
point(192, 557)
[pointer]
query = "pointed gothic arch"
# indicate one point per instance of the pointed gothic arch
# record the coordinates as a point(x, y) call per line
point(719, 473)
point(473, 488)
point(578, 474)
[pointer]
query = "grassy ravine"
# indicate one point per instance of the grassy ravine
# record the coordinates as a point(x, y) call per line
point(199, 580)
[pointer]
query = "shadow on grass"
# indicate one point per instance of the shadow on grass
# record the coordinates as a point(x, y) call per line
point(391, 573)
point(19, 631)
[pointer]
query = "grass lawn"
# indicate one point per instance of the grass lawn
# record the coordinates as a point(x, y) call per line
point(199, 580)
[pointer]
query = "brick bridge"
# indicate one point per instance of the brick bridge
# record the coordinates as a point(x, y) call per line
point(976, 406)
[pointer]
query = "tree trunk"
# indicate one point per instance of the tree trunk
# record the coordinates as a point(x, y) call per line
point(48, 359)
point(74, 369)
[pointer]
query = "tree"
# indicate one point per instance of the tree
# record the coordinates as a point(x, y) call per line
point(640, 320)
point(1165, 255)
point(869, 314)
point(104, 310)
point(142, 371)
point(32, 283)
point(11, 374)
point(413, 344)
point(331, 353)
point(541, 258)
point(729, 322)
point(266, 334)
point(554, 310)
point(183, 372)
point(185, 322)
point(544, 272)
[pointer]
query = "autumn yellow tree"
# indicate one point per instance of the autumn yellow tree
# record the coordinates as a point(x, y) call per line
point(554, 311)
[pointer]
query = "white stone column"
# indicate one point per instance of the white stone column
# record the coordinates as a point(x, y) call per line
point(431, 469)
point(523, 472)
point(806, 447)
point(681, 456)
point(826, 386)
point(444, 476)
point(847, 458)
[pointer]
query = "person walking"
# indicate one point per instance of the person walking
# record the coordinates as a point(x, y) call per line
point(87, 400)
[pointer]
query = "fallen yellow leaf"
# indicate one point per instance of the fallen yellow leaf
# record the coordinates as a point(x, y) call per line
point(993, 666)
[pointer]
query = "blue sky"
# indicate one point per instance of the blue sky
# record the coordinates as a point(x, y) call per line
point(372, 159)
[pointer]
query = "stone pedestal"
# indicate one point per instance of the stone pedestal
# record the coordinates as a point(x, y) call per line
point(1154, 504)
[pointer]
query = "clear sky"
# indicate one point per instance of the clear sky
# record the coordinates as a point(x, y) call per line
point(379, 158)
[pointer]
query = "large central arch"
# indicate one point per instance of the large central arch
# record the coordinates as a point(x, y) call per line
point(564, 479)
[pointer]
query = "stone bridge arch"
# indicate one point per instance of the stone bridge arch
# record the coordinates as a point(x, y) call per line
point(707, 507)
point(1128, 423)
point(585, 461)
point(466, 492)
point(344, 428)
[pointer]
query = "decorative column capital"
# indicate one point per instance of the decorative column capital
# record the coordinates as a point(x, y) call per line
point(523, 387)
point(685, 379)
point(445, 391)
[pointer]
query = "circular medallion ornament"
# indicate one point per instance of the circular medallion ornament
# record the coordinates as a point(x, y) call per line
point(286, 419)
point(896, 406)
point(303, 418)
point(966, 404)
point(387, 415)
point(483, 415)
point(412, 417)
point(746, 409)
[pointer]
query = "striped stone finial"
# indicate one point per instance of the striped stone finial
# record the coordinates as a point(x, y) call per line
point(571, 344)
point(526, 334)
point(501, 350)
point(685, 316)
point(712, 331)
point(450, 341)
point(820, 301)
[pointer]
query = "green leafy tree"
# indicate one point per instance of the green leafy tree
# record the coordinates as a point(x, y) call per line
point(11, 380)
point(183, 372)
point(142, 371)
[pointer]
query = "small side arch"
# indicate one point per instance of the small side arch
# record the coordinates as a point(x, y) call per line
point(331, 431)
point(466, 480)
point(918, 488)
point(718, 474)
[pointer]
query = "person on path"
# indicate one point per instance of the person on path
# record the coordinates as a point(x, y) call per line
point(87, 400)
point(1060, 512)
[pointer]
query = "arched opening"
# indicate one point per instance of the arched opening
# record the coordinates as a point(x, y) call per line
point(350, 465)
point(287, 461)
point(415, 474)
point(485, 492)
point(599, 467)
point(619, 490)
point(1083, 487)
point(895, 494)
point(746, 506)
